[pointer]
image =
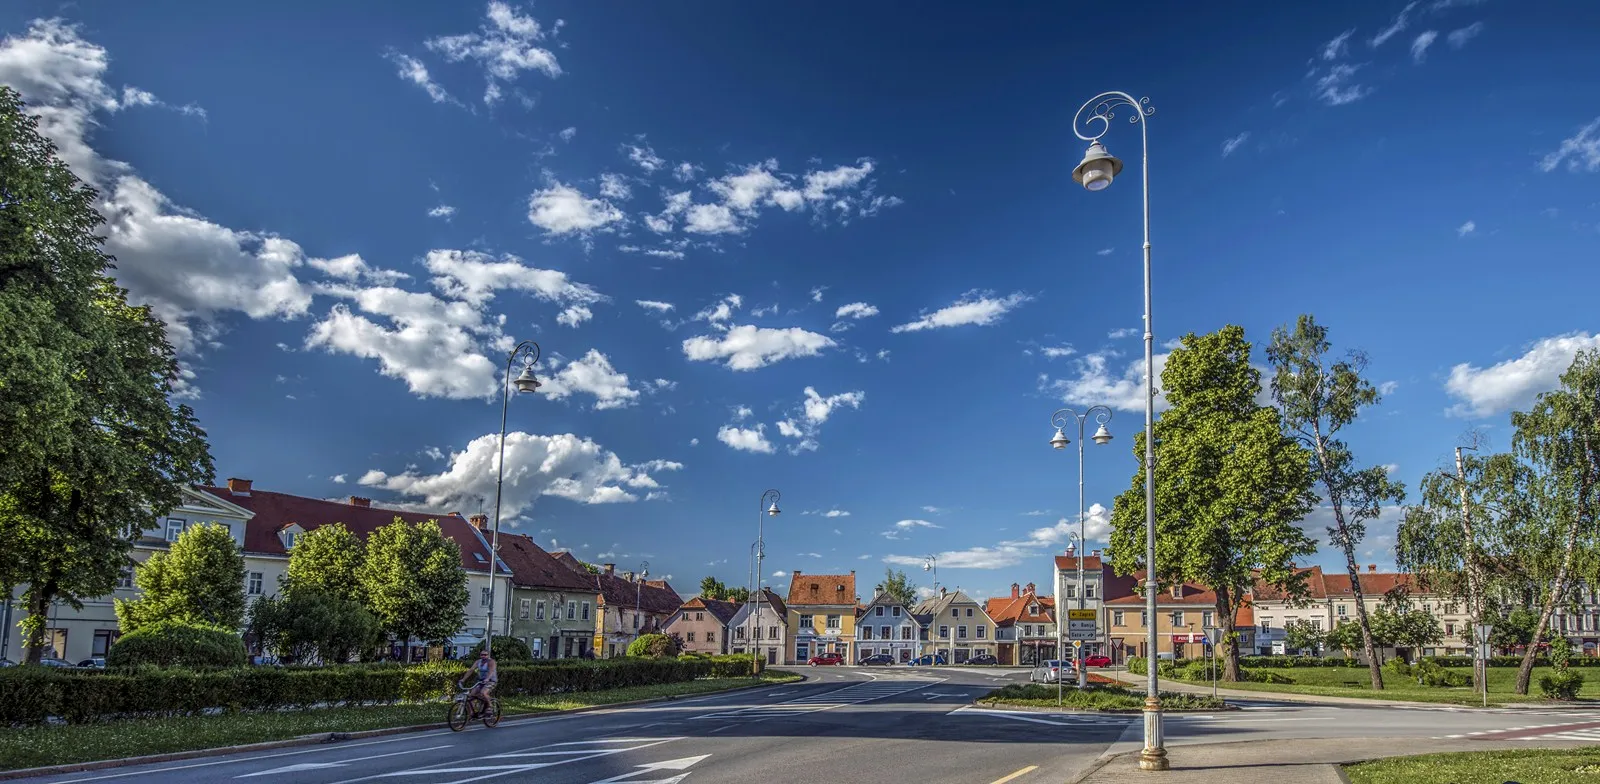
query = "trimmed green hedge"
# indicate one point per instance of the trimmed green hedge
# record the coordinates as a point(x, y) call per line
point(174, 643)
point(28, 695)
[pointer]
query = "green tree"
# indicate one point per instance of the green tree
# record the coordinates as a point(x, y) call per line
point(654, 646)
point(327, 560)
point(414, 582)
point(1406, 628)
point(738, 593)
point(1559, 440)
point(1347, 637)
point(1319, 395)
point(712, 588)
point(898, 586)
point(1300, 635)
point(1229, 485)
point(314, 627)
point(94, 449)
point(200, 579)
point(1514, 630)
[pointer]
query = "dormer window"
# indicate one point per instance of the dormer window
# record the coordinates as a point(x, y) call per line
point(1177, 591)
point(290, 535)
point(479, 558)
point(1033, 609)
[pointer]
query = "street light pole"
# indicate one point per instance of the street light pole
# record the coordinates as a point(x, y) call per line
point(931, 564)
point(638, 592)
point(1095, 172)
point(763, 511)
point(1102, 436)
point(525, 382)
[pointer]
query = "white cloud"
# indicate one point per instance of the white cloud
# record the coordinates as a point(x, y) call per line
point(1096, 384)
point(806, 423)
point(353, 268)
point(505, 46)
point(592, 374)
point(835, 513)
point(1441, 5)
point(933, 510)
point(562, 466)
point(614, 186)
point(1007, 554)
point(1097, 528)
point(685, 171)
point(412, 70)
point(435, 345)
point(816, 293)
point(644, 157)
point(337, 479)
point(1419, 47)
point(1395, 28)
point(908, 525)
point(746, 439)
point(1459, 38)
point(1054, 352)
point(1036, 513)
point(562, 209)
point(442, 211)
point(780, 573)
point(841, 192)
point(747, 347)
point(1514, 383)
point(1338, 47)
point(1105, 251)
point(854, 310)
point(1334, 87)
point(741, 413)
point(650, 304)
point(567, 133)
point(1123, 332)
point(1388, 387)
point(1580, 152)
point(1229, 145)
point(475, 277)
point(663, 253)
point(1466, 228)
point(718, 313)
point(974, 307)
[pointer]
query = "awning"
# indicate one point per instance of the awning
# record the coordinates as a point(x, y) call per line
point(463, 639)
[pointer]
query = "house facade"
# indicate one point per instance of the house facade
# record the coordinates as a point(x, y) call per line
point(761, 626)
point(959, 628)
point(822, 615)
point(628, 606)
point(542, 591)
point(702, 624)
point(1025, 626)
point(887, 626)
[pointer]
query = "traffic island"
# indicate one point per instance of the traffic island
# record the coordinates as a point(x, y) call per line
point(1098, 697)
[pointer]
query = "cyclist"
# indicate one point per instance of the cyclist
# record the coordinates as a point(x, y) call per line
point(488, 676)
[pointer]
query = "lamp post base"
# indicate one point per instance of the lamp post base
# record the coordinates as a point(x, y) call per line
point(1154, 754)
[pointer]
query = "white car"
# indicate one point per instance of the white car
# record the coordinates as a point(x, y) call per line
point(1052, 671)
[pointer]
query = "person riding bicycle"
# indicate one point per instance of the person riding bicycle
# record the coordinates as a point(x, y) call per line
point(488, 676)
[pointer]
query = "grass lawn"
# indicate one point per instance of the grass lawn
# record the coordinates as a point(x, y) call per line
point(31, 747)
point(1333, 681)
point(1534, 766)
point(1036, 695)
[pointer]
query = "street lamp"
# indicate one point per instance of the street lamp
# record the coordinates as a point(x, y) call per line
point(1061, 419)
point(1094, 173)
point(764, 509)
point(931, 564)
point(638, 592)
point(528, 351)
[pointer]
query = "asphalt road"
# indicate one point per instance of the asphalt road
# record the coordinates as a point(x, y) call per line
point(842, 725)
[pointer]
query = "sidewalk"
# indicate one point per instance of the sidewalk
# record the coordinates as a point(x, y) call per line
point(1298, 761)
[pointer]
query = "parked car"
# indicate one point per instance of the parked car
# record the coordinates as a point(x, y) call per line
point(826, 658)
point(877, 660)
point(983, 658)
point(935, 658)
point(1052, 671)
point(51, 661)
point(94, 662)
point(1097, 660)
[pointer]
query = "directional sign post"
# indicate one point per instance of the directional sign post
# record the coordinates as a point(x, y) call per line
point(1081, 625)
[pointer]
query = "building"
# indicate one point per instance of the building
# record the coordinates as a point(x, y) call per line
point(628, 606)
point(886, 626)
point(1097, 580)
point(1025, 626)
point(543, 593)
point(960, 627)
point(761, 625)
point(702, 624)
point(1183, 613)
point(822, 614)
point(266, 525)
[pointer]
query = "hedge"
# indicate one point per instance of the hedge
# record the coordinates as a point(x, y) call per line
point(175, 643)
point(29, 695)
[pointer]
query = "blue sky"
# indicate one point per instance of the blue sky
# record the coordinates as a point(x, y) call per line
point(881, 277)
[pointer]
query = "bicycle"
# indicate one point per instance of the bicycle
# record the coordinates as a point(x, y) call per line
point(465, 707)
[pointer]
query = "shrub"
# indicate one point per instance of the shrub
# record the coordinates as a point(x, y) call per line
point(1563, 685)
point(1398, 667)
point(1264, 676)
point(1430, 672)
point(507, 650)
point(653, 646)
point(736, 666)
point(177, 644)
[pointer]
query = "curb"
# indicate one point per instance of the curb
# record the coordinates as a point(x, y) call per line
point(1106, 712)
point(1329, 699)
point(336, 737)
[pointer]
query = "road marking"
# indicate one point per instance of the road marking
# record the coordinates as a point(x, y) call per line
point(597, 748)
point(1054, 719)
point(296, 768)
point(855, 694)
point(1018, 774)
point(678, 764)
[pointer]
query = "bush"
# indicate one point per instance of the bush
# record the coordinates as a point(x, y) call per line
point(653, 646)
point(177, 644)
point(1562, 685)
point(1398, 667)
point(507, 650)
point(736, 666)
point(1430, 672)
point(1263, 676)
point(1296, 661)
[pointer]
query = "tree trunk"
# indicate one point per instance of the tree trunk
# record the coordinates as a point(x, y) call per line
point(1559, 587)
point(1226, 612)
point(38, 600)
point(1336, 501)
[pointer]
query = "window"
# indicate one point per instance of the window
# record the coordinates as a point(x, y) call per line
point(954, 613)
point(586, 611)
point(538, 611)
point(1088, 590)
point(526, 608)
point(1343, 609)
point(1144, 618)
point(1316, 623)
point(969, 612)
point(175, 526)
point(983, 631)
point(255, 584)
point(772, 632)
point(1449, 630)
point(1177, 619)
point(738, 632)
point(125, 580)
point(1071, 591)
point(688, 637)
point(944, 632)
point(711, 636)
point(883, 633)
point(55, 642)
point(699, 616)
point(896, 612)
point(1033, 609)
point(1427, 608)
point(866, 632)
point(805, 620)
point(1266, 624)
point(1206, 618)
point(102, 641)
point(1116, 618)
point(880, 612)
point(572, 611)
point(905, 632)
point(483, 596)
point(802, 651)
point(961, 632)
point(833, 622)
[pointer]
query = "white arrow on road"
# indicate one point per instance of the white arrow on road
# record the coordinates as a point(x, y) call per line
point(296, 768)
point(683, 763)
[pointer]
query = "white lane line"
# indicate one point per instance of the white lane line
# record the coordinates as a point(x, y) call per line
point(338, 763)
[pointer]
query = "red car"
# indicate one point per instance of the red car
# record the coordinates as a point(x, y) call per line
point(826, 658)
point(1097, 661)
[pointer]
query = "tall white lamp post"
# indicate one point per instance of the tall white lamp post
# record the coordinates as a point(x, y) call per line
point(763, 511)
point(1102, 436)
point(525, 382)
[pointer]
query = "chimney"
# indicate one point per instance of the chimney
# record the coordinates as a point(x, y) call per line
point(1032, 588)
point(239, 486)
point(610, 568)
point(1095, 553)
point(796, 573)
point(453, 514)
point(357, 500)
point(1372, 568)
point(627, 576)
point(943, 590)
point(479, 521)
point(1015, 590)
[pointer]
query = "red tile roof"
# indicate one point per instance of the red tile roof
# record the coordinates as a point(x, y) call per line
point(1193, 594)
point(1316, 586)
point(532, 567)
point(276, 511)
point(1006, 610)
point(823, 589)
point(652, 596)
point(1070, 563)
point(1373, 584)
point(722, 610)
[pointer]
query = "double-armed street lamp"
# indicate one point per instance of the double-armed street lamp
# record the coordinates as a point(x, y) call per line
point(1095, 172)
point(528, 351)
point(1061, 419)
point(764, 509)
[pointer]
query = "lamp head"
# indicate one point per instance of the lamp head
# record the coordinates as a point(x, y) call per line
point(526, 382)
point(1102, 436)
point(1097, 169)
point(1060, 440)
point(774, 511)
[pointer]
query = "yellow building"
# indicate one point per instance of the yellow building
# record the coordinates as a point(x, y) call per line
point(822, 615)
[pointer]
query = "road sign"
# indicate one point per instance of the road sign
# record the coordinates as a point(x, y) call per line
point(1076, 644)
point(1081, 625)
point(1484, 630)
point(1214, 635)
